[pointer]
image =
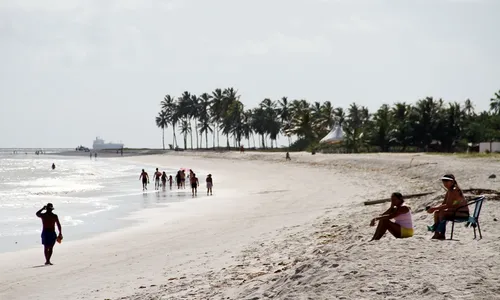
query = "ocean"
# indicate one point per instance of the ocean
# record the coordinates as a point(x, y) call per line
point(90, 196)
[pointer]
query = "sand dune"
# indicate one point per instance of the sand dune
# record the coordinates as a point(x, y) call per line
point(279, 230)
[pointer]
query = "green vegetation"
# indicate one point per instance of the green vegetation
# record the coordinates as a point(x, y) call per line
point(427, 125)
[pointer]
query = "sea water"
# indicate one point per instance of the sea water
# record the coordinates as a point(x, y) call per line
point(89, 195)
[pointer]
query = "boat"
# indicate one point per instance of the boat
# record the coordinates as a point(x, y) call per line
point(99, 144)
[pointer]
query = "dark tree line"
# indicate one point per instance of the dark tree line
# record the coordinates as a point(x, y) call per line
point(428, 124)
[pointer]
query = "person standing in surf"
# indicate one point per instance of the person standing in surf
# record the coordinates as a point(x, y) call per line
point(210, 184)
point(194, 184)
point(164, 180)
point(145, 179)
point(170, 181)
point(49, 236)
point(178, 179)
point(157, 179)
point(183, 179)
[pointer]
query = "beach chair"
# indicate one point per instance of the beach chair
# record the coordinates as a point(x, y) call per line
point(471, 220)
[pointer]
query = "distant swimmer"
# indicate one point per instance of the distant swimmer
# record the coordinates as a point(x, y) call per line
point(164, 180)
point(170, 181)
point(53, 166)
point(194, 184)
point(145, 179)
point(210, 184)
point(49, 236)
point(157, 178)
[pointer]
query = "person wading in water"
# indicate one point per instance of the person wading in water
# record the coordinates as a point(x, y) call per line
point(49, 236)
point(145, 179)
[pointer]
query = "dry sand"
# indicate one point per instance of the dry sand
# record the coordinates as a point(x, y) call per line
point(279, 230)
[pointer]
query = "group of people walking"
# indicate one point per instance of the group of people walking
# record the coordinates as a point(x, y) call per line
point(161, 179)
point(454, 206)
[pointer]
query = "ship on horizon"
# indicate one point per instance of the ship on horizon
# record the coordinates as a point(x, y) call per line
point(99, 144)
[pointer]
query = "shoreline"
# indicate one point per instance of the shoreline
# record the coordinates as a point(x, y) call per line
point(87, 213)
point(285, 223)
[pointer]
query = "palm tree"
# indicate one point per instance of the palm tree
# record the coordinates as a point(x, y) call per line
point(468, 108)
point(169, 105)
point(216, 111)
point(204, 117)
point(162, 122)
point(339, 116)
point(230, 96)
point(185, 130)
point(285, 116)
point(382, 128)
point(495, 103)
point(194, 111)
point(402, 124)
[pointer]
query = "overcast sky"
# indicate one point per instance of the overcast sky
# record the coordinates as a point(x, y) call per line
point(74, 69)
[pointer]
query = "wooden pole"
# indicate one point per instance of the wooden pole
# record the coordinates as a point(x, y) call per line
point(371, 202)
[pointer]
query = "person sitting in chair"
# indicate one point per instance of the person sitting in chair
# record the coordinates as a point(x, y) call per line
point(401, 227)
point(453, 206)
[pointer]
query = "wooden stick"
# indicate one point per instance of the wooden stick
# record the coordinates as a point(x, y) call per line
point(371, 202)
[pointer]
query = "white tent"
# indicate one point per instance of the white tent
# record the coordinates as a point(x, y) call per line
point(336, 135)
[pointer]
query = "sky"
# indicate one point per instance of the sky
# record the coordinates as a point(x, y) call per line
point(71, 70)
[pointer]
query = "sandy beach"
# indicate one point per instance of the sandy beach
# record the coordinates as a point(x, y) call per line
point(279, 230)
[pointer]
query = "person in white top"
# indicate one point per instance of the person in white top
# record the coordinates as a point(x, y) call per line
point(401, 227)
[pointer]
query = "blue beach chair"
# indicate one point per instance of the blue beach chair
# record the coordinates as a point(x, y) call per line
point(471, 220)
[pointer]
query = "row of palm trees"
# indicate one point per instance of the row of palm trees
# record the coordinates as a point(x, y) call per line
point(429, 123)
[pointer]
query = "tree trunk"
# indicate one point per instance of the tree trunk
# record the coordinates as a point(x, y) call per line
point(163, 137)
point(196, 132)
point(175, 138)
point(218, 139)
point(191, 134)
point(206, 139)
point(227, 140)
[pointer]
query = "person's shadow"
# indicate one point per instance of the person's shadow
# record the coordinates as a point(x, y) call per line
point(40, 266)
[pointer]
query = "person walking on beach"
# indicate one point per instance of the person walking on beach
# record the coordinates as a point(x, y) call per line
point(454, 205)
point(53, 166)
point(287, 156)
point(170, 181)
point(145, 179)
point(183, 179)
point(49, 236)
point(164, 180)
point(95, 155)
point(157, 178)
point(194, 184)
point(402, 227)
point(210, 184)
point(178, 179)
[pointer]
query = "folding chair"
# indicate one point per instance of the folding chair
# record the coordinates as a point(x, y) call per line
point(471, 220)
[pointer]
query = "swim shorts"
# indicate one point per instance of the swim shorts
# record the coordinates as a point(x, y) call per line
point(406, 232)
point(194, 185)
point(49, 238)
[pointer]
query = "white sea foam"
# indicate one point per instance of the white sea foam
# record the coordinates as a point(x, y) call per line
point(82, 191)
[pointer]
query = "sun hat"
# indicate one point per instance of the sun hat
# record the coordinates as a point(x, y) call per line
point(448, 177)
